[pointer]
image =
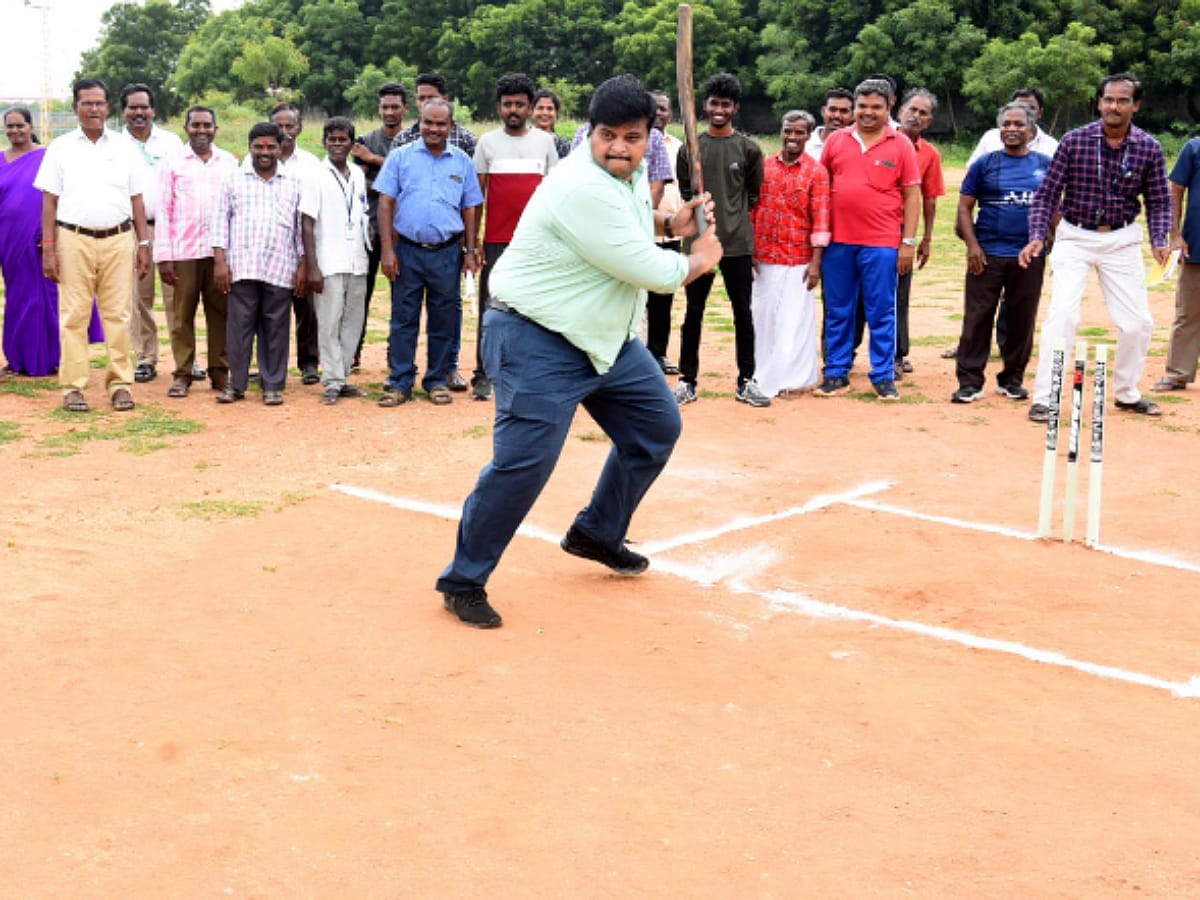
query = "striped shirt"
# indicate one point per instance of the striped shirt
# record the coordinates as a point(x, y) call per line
point(792, 213)
point(1101, 185)
point(257, 223)
point(187, 195)
point(459, 137)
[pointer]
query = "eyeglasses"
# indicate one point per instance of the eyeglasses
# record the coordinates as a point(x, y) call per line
point(92, 104)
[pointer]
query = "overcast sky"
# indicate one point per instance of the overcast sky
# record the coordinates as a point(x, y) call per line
point(74, 28)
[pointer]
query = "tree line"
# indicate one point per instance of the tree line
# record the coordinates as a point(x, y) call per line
point(330, 55)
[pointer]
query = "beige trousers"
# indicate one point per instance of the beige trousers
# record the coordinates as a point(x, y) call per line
point(101, 268)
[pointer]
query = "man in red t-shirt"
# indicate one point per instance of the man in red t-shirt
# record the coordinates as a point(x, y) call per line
point(875, 205)
point(511, 162)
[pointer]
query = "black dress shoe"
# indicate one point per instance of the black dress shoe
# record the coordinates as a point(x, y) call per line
point(309, 375)
point(622, 560)
point(455, 381)
point(668, 367)
point(472, 607)
point(145, 372)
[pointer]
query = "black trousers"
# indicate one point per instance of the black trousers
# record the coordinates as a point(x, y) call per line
point(258, 309)
point(658, 314)
point(1021, 288)
point(373, 256)
point(308, 352)
point(738, 274)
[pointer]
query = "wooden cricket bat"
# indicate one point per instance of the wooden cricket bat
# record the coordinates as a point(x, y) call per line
point(687, 105)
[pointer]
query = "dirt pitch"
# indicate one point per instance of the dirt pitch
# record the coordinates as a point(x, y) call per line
point(226, 678)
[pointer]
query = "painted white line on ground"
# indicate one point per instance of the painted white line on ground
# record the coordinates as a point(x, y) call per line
point(1152, 557)
point(818, 610)
point(821, 501)
point(726, 568)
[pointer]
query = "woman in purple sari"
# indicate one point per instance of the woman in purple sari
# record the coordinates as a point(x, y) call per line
point(31, 343)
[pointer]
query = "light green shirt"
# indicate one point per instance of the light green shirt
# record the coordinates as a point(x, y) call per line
point(583, 257)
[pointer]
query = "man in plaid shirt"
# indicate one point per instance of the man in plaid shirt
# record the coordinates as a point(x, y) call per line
point(188, 186)
point(791, 232)
point(262, 231)
point(1102, 171)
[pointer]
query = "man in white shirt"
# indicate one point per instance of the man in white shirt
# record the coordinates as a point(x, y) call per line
point(838, 112)
point(153, 146)
point(92, 212)
point(1041, 143)
point(338, 278)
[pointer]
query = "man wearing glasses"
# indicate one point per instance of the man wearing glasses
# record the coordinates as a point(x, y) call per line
point(1102, 172)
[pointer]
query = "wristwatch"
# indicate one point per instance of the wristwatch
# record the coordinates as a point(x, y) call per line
point(909, 242)
point(144, 243)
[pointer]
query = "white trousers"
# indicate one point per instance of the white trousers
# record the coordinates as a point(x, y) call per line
point(341, 308)
point(1117, 258)
point(785, 329)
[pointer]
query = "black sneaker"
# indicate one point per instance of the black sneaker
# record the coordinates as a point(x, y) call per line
point(1012, 391)
point(481, 388)
point(622, 560)
point(145, 372)
point(1039, 413)
point(1142, 407)
point(309, 375)
point(472, 607)
point(966, 395)
point(886, 390)
point(832, 386)
point(752, 394)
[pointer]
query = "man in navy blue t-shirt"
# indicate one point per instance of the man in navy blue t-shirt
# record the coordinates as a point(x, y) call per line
point(1002, 185)
point(1184, 349)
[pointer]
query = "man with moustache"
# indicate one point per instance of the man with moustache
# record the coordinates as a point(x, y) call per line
point(562, 332)
point(1002, 184)
point(303, 166)
point(838, 112)
point(732, 165)
point(153, 146)
point(511, 162)
point(188, 185)
point(791, 232)
point(262, 233)
point(875, 203)
point(92, 213)
point(1102, 172)
point(428, 214)
point(337, 277)
point(370, 151)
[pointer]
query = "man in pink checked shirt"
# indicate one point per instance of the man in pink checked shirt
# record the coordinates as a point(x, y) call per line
point(188, 186)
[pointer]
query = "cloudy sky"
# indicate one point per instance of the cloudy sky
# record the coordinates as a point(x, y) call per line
point(74, 28)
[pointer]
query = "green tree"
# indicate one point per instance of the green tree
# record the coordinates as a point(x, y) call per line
point(143, 43)
point(404, 29)
point(1176, 59)
point(643, 40)
point(1068, 66)
point(206, 62)
point(333, 36)
point(269, 66)
point(362, 94)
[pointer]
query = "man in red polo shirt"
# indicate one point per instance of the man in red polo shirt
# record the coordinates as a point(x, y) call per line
point(875, 206)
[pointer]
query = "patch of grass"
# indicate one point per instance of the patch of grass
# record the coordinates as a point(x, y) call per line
point(592, 436)
point(716, 395)
point(906, 397)
point(100, 362)
point(139, 433)
point(9, 432)
point(953, 317)
point(475, 431)
point(27, 387)
point(1170, 399)
point(211, 510)
point(292, 498)
point(933, 340)
point(203, 465)
point(1093, 332)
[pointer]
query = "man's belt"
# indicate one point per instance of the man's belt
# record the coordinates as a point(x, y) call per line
point(1107, 226)
point(97, 233)
point(425, 246)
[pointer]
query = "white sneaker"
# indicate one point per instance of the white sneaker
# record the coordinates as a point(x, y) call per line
point(752, 394)
point(685, 393)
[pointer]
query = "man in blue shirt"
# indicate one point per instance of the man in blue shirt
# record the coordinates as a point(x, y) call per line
point(424, 239)
point(1184, 349)
point(1002, 183)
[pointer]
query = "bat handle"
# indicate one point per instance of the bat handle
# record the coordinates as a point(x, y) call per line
point(701, 221)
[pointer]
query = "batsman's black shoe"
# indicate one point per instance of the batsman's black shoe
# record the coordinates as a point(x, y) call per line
point(1039, 413)
point(1142, 407)
point(621, 560)
point(472, 607)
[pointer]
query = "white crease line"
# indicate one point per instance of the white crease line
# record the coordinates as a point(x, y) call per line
point(817, 610)
point(821, 501)
point(1147, 556)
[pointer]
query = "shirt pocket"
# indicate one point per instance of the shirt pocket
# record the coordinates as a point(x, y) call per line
point(447, 191)
point(883, 174)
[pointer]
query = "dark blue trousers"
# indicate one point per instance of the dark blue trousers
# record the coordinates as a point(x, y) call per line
point(540, 379)
point(429, 278)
